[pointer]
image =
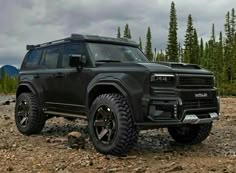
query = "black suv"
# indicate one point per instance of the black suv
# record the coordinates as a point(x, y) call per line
point(111, 83)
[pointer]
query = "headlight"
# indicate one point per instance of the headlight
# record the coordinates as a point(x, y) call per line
point(163, 79)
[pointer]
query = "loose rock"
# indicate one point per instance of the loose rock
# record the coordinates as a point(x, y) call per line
point(76, 140)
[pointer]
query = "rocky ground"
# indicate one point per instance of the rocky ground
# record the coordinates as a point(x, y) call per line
point(154, 152)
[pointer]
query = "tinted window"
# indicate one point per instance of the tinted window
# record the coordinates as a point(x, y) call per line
point(34, 58)
point(120, 53)
point(70, 49)
point(51, 57)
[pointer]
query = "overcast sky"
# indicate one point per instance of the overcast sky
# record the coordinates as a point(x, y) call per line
point(35, 21)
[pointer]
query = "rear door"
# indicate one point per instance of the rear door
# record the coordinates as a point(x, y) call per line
point(48, 74)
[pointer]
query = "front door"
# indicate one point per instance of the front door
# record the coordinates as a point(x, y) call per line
point(72, 84)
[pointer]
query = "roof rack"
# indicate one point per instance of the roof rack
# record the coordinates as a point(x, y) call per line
point(81, 37)
point(29, 47)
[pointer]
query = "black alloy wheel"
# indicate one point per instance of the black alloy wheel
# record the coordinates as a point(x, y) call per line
point(111, 126)
point(105, 124)
point(28, 115)
point(22, 113)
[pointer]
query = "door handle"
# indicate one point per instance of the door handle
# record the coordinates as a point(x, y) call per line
point(36, 76)
point(59, 75)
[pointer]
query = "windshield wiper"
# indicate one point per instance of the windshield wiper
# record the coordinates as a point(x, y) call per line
point(107, 60)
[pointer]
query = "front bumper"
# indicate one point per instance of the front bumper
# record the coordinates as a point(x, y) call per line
point(174, 110)
point(194, 119)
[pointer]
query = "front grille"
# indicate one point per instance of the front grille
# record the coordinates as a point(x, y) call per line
point(191, 104)
point(192, 81)
point(155, 91)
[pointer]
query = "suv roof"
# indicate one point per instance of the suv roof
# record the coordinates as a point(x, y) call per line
point(89, 38)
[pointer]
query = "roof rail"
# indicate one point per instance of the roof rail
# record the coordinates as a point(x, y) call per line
point(77, 36)
point(30, 47)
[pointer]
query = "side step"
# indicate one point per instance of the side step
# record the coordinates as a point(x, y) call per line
point(62, 114)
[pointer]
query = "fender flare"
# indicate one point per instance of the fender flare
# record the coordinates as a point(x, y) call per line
point(32, 89)
point(123, 88)
point(27, 85)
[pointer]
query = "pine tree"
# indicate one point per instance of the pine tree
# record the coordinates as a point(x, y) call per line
point(227, 27)
point(205, 60)
point(233, 46)
point(213, 33)
point(148, 48)
point(172, 45)
point(201, 51)
point(161, 56)
point(188, 43)
point(180, 53)
point(140, 44)
point(195, 50)
point(212, 51)
point(127, 33)
point(219, 74)
point(232, 22)
point(118, 32)
point(228, 48)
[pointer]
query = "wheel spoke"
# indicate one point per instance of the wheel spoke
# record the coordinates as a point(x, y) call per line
point(113, 124)
point(102, 134)
point(21, 114)
point(100, 123)
point(109, 135)
point(104, 124)
point(25, 119)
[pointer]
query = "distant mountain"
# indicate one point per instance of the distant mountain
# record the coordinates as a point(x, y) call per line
point(10, 70)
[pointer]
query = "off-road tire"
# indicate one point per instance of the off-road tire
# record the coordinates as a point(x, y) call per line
point(36, 119)
point(197, 133)
point(126, 132)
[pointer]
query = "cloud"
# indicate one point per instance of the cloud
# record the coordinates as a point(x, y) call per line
point(32, 21)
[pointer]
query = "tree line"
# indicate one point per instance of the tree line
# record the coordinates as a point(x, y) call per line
point(217, 54)
point(7, 84)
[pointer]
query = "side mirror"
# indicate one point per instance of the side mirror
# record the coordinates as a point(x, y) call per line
point(77, 60)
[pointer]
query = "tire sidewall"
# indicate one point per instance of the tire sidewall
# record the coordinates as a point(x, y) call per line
point(22, 97)
point(33, 117)
point(104, 148)
point(200, 132)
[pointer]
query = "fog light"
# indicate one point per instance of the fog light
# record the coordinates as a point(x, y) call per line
point(214, 115)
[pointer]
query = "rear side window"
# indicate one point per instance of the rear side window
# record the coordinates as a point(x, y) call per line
point(70, 49)
point(34, 58)
point(51, 57)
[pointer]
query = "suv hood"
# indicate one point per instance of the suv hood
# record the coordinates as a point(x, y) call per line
point(168, 67)
point(160, 67)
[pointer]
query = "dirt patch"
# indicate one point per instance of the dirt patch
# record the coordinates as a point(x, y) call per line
point(155, 151)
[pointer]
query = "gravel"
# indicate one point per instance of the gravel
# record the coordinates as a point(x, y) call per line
point(64, 146)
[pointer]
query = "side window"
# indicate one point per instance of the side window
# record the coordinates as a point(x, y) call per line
point(51, 57)
point(70, 49)
point(34, 58)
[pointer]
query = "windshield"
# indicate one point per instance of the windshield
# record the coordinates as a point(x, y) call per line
point(116, 53)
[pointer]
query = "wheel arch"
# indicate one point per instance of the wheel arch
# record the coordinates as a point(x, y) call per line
point(29, 87)
point(24, 88)
point(103, 88)
point(114, 87)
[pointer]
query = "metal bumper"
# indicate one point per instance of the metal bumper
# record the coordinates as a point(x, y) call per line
point(193, 119)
